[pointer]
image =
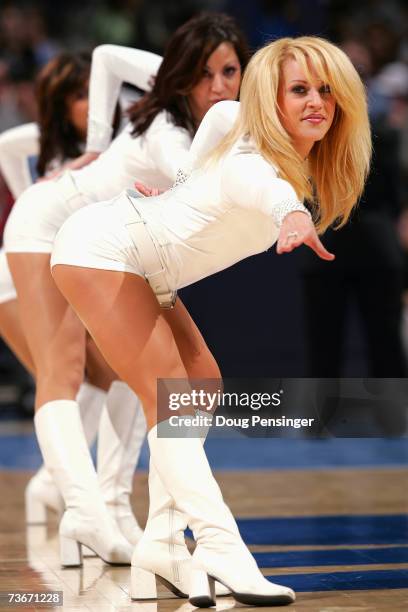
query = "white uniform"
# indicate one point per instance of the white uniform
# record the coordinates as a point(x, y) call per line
point(153, 158)
point(220, 215)
point(7, 289)
point(19, 149)
point(111, 66)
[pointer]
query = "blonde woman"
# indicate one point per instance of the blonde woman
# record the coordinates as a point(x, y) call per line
point(302, 133)
point(202, 64)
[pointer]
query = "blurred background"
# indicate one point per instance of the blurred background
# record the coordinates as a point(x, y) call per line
point(268, 316)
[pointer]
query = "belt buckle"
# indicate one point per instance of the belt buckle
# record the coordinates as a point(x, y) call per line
point(166, 300)
point(168, 303)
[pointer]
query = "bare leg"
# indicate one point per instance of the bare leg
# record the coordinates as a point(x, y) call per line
point(195, 354)
point(137, 338)
point(56, 339)
point(55, 335)
point(98, 372)
point(12, 333)
point(139, 342)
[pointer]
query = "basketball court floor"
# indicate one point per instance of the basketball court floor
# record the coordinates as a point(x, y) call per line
point(328, 518)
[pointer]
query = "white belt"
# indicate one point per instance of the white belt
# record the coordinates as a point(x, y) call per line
point(153, 269)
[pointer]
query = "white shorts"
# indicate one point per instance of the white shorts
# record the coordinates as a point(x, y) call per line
point(96, 237)
point(39, 213)
point(7, 290)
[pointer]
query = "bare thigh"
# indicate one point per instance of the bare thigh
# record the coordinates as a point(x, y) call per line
point(136, 337)
point(97, 371)
point(12, 332)
point(54, 334)
point(197, 357)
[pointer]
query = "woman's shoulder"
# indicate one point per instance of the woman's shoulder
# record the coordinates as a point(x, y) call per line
point(164, 121)
point(244, 152)
point(225, 111)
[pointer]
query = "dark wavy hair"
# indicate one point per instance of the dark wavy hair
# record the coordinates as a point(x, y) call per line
point(63, 76)
point(182, 68)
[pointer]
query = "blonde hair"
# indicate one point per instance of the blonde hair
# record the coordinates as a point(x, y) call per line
point(338, 164)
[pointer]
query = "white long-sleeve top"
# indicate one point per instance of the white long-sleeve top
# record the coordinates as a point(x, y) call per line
point(19, 148)
point(152, 158)
point(217, 122)
point(113, 65)
point(224, 212)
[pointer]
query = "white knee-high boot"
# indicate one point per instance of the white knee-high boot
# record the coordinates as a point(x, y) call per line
point(41, 492)
point(220, 553)
point(86, 520)
point(122, 430)
point(162, 550)
point(91, 400)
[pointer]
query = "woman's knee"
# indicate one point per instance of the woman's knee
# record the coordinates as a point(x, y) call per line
point(202, 364)
point(98, 372)
point(61, 357)
point(62, 371)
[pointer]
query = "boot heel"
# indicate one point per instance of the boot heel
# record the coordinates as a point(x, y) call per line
point(88, 552)
point(202, 590)
point(70, 552)
point(36, 513)
point(142, 584)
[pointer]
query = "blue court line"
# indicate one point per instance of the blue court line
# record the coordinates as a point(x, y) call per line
point(329, 530)
point(276, 453)
point(315, 558)
point(345, 581)
point(21, 452)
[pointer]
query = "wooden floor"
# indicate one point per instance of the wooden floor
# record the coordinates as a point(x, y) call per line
point(29, 555)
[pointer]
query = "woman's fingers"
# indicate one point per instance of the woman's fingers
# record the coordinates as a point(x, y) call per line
point(147, 191)
point(290, 240)
point(50, 176)
point(82, 160)
point(316, 246)
point(143, 189)
point(76, 164)
point(285, 246)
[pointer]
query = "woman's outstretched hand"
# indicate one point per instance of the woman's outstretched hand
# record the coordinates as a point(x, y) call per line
point(75, 164)
point(83, 160)
point(148, 191)
point(297, 228)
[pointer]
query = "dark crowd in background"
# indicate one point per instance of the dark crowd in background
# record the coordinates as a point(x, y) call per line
point(267, 316)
